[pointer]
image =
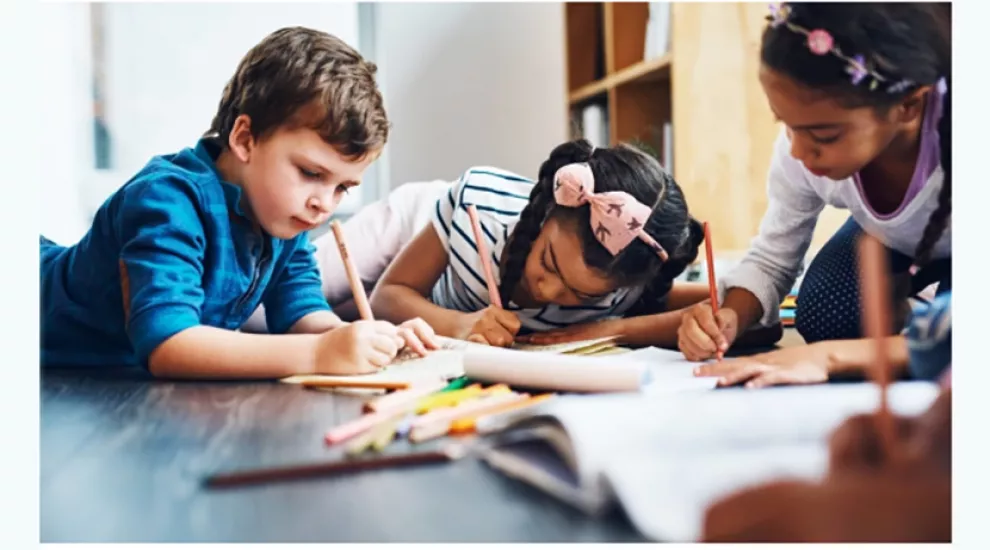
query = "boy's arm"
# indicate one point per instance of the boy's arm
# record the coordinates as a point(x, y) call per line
point(294, 301)
point(161, 268)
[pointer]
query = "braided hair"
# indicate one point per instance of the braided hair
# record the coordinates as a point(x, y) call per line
point(909, 42)
point(621, 168)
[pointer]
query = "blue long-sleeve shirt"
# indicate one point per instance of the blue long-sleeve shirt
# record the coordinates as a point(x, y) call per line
point(170, 250)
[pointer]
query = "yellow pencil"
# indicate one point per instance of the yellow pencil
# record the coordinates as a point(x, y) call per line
point(466, 425)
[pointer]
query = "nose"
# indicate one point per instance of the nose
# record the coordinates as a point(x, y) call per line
point(320, 204)
point(801, 149)
point(550, 289)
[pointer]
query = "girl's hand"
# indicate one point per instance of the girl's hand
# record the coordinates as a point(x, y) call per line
point(493, 326)
point(702, 335)
point(797, 365)
point(419, 336)
point(586, 331)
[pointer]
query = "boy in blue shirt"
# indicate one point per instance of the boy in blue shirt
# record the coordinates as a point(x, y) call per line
point(180, 256)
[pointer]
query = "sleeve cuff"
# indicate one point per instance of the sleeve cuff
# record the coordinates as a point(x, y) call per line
point(152, 327)
point(748, 277)
point(295, 307)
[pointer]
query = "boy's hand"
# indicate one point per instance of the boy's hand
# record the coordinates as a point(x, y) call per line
point(702, 335)
point(361, 347)
point(418, 336)
point(493, 326)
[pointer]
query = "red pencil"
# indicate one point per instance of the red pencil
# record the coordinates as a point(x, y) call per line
point(712, 286)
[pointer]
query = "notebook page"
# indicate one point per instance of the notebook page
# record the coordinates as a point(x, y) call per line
point(665, 496)
point(603, 428)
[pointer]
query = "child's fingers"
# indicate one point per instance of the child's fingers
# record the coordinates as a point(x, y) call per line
point(697, 337)
point(508, 320)
point(384, 327)
point(477, 339)
point(411, 340)
point(723, 367)
point(742, 374)
point(424, 332)
point(385, 344)
point(776, 377)
point(378, 360)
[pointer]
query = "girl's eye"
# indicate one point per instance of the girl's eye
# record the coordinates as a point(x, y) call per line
point(825, 140)
point(341, 190)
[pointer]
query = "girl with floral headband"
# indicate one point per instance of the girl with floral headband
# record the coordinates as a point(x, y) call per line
point(601, 233)
point(863, 92)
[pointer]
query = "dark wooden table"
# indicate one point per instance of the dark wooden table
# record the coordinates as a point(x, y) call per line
point(123, 459)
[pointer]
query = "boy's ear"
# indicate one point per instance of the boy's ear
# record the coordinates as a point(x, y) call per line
point(240, 141)
point(913, 105)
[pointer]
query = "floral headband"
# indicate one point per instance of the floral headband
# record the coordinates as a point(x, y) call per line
point(820, 42)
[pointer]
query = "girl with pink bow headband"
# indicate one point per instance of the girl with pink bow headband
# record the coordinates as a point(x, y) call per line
point(586, 250)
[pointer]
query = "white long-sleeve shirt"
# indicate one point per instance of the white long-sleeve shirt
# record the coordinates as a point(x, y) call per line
point(796, 197)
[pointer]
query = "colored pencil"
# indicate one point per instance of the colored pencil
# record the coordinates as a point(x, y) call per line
point(712, 285)
point(876, 313)
point(486, 261)
point(357, 287)
point(263, 475)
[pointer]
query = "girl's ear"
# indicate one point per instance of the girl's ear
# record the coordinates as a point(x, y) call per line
point(913, 105)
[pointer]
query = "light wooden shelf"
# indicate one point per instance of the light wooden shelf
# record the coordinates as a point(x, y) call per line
point(644, 71)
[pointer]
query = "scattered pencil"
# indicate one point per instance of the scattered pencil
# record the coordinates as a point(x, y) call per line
point(299, 471)
point(357, 384)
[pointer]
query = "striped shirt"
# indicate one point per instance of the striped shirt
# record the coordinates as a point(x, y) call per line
point(500, 197)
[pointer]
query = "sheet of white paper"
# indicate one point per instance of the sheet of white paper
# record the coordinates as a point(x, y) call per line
point(670, 372)
point(665, 496)
point(604, 427)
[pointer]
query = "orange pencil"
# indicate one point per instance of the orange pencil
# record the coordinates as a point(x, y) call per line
point(357, 287)
point(712, 286)
point(486, 261)
point(875, 296)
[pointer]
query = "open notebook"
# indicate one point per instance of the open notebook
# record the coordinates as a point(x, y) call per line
point(449, 363)
point(664, 460)
point(572, 367)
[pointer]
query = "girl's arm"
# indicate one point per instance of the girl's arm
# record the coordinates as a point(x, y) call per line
point(208, 352)
point(845, 358)
point(402, 292)
point(755, 288)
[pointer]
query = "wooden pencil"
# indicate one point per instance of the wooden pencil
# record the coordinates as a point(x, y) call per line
point(299, 471)
point(712, 285)
point(486, 260)
point(360, 384)
point(357, 287)
point(875, 302)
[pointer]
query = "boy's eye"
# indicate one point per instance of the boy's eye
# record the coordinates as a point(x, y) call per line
point(309, 174)
point(341, 190)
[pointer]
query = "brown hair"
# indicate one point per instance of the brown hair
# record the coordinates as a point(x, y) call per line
point(299, 77)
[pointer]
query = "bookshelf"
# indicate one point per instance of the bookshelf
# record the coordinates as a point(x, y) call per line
point(703, 88)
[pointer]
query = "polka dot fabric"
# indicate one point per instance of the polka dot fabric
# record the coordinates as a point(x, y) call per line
point(828, 305)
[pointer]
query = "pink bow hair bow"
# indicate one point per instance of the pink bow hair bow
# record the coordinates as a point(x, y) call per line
point(617, 218)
